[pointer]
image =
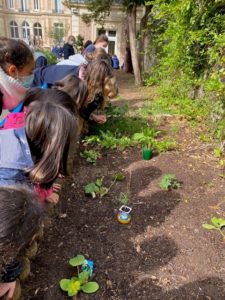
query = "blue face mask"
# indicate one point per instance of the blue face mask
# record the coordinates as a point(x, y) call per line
point(26, 81)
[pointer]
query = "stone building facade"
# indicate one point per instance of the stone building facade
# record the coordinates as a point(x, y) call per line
point(32, 21)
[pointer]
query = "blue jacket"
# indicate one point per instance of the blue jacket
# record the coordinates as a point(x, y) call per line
point(51, 74)
point(15, 157)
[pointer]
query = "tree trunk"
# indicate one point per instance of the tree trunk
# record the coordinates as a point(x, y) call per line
point(131, 14)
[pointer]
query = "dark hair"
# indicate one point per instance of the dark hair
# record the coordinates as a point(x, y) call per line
point(75, 87)
point(20, 216)
point(14, 52)
point(87, 43)
point(51, 125)
point(101, 38)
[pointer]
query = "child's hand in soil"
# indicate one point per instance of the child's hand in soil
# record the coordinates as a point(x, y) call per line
point(7, 289)
point(56, 187)
point(100, 119)
point(54, 198)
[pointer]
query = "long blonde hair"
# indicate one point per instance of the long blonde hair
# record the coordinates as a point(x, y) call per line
point(98, 74)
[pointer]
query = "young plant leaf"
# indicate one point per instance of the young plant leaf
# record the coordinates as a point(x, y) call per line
point(218, 222)
point(209, 226)
point(83, 277)
point(119, 177)
point(91, 189)
point(77, 261)
point(64, 284)
point(90, 287)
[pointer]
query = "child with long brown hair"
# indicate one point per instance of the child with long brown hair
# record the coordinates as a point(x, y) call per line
point(39, 151)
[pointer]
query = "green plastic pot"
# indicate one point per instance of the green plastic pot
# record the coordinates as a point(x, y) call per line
point(147, 153)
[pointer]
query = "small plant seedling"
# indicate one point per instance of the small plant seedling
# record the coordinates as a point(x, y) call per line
point(96, 188)
point(91, 156)
point(119, 177)
point(168, 182)
point(165, 145)
point(216, 224)
point(218, 152)
point(80, 282)
point(124, 198)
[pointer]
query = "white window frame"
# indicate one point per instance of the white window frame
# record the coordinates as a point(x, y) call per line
point(36, 4)
point(24, 5)
point(58, 6)
point(25, 29)
point(11, 4)
point(38, 28)
point(13, 25)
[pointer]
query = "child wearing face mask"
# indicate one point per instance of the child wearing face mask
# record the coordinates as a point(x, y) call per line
point(16, 66)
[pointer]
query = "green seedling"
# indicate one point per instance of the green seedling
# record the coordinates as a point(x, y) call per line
point(80, 282)
point(119, 177)
point(91, 156)
point(124, 198)
point(218, 152)
point(216, 224)
point(97, 189)
point(168, 182)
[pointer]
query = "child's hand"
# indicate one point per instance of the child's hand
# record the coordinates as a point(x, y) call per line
point(7, 289)
point(54, 198)
point(101, 119)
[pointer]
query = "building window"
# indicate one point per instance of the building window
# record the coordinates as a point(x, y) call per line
point(14, 30)
point(58, 6)
point(58, 32)
point(36, 5)
point(25, 30)
point(37, 30)
point(24, 5)
point(10, 4)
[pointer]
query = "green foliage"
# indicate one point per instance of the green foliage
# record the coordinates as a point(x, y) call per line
point(77, 261)
point(96, 188)
point(90, 156)
point(147, 137)
point(188, 39)
point(216, 224)
point(165, 145)
point(80, 282)
point(57, 33)
point(119, 177)
point(51, 58)
point(79, 42)
point(168, 182)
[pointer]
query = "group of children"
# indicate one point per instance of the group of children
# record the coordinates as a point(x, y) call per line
point(43, 113)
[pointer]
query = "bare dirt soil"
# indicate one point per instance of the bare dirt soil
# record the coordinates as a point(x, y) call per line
point(164, 253)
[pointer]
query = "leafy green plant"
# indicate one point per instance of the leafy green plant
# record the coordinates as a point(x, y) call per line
point(80, 282)
point(146, 138)
point(216, 224)
point(97, 189)
point(91, 156)
point(168, 182)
